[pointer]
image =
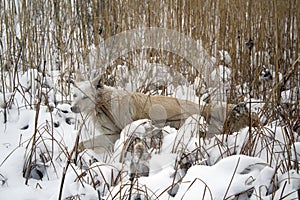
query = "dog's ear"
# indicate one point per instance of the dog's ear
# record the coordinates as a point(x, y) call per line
point(98, 82)
point(79, 77)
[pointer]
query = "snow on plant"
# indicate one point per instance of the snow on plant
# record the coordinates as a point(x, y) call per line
point(179, 163)
point(41, 152)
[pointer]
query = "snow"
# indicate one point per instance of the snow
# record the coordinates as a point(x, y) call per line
point(228, 177)
point(182, 165)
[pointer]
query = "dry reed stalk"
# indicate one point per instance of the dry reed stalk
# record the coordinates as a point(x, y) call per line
point(58, 35)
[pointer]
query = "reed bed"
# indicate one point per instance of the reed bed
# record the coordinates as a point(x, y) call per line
point(57, 38)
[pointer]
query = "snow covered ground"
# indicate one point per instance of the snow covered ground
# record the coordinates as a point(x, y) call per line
point(39, 134)
point(38, 157)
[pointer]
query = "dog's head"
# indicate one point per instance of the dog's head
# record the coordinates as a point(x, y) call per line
point(84, 95)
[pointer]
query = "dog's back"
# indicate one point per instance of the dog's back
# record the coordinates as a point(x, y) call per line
point(112, 109)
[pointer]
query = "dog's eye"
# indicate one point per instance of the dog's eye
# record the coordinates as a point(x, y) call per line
point(85, 97)
point(74, 95)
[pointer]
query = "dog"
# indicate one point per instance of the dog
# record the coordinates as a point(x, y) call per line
point(112, 109)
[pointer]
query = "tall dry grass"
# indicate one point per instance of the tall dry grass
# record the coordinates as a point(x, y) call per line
point(58, 34)
point(54, 35)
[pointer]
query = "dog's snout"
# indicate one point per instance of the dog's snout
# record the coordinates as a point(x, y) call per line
point(75, 109)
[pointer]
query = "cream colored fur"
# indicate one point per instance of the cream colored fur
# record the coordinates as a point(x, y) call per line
point(112, 109)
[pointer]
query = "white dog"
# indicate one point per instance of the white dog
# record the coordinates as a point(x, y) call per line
point(112, 109)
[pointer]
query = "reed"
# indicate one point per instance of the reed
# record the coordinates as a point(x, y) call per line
point(53, 36)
